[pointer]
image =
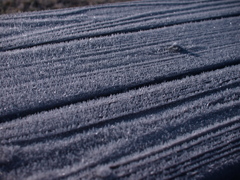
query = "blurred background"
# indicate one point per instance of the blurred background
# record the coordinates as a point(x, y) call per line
point(13, 6)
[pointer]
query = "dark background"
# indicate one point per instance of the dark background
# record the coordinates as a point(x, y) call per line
point(13, 6)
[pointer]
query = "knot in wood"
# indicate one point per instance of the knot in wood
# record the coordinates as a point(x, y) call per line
point(175, 48)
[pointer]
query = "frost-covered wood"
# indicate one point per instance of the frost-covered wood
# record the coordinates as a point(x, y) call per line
point(137, 90)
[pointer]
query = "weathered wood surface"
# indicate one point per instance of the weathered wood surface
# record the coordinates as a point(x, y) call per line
point(137, 90)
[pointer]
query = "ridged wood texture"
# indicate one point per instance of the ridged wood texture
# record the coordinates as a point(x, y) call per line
point(139, 90)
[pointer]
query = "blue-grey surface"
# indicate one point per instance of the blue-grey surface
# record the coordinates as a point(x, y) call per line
point(138, 90)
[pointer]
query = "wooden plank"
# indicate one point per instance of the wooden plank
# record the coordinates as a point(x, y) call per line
point(38, 29)
point(53, 76)
point(136, 90)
